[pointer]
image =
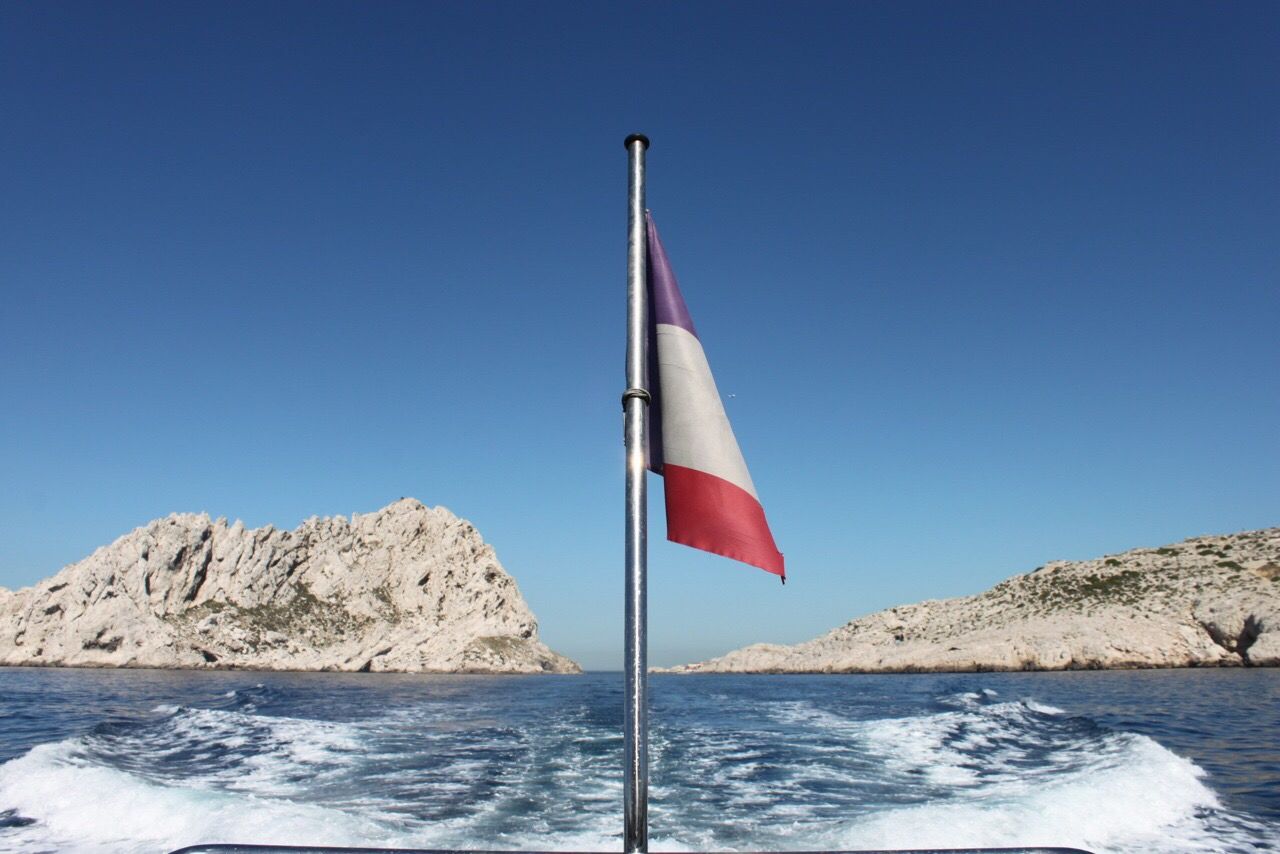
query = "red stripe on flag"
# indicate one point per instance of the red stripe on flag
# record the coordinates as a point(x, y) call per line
point(712, 514)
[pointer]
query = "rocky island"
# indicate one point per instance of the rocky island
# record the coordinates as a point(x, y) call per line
point(408, 588)
point(1207, 601)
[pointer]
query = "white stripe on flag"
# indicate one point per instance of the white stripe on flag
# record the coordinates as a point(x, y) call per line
point(695, 429)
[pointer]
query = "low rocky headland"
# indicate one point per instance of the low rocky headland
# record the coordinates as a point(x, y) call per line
point(1207, 601)
point(408, 588)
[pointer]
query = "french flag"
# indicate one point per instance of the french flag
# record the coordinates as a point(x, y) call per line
point(711, 502)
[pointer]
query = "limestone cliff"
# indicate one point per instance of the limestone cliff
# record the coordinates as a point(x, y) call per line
point(1203, 602)
point(408, 588)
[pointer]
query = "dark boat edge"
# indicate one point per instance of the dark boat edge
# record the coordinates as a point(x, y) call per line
point(305, 849)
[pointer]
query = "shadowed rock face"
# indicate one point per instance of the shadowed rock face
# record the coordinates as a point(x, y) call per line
point(408, 588)
point(1208, 601)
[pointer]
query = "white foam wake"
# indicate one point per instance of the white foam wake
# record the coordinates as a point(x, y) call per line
point(86, 808)
point(1014, 774)
point(1140, 797)
point(980, 773)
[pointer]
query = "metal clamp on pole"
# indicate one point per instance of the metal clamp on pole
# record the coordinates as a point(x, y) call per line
point(637, 393)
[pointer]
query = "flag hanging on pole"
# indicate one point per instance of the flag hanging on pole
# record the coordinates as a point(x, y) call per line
point(711, 502)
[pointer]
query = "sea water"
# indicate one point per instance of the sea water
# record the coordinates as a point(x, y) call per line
point(1154, 761)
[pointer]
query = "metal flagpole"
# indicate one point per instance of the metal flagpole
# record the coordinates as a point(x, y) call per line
point(635, 401)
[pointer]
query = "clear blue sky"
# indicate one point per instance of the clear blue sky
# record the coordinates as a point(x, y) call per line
point(992, 284)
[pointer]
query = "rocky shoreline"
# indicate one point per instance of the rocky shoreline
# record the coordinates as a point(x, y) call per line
point(1209, 601)
point(406, 589)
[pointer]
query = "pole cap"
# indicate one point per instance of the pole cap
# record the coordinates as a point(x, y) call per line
point(634, 138)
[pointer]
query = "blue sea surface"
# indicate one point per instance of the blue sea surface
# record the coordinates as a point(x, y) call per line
point(1150, 761)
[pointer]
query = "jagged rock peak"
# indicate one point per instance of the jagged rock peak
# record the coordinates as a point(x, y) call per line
point(405, 588)
point(1207, 601)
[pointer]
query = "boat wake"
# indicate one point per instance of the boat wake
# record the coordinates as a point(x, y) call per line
point(469, 773)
